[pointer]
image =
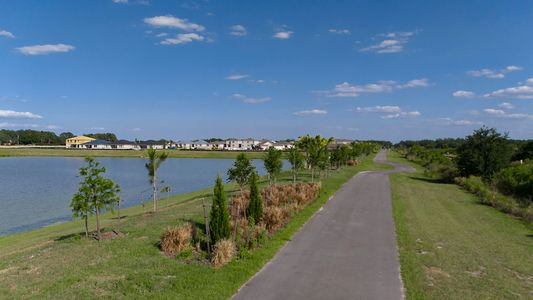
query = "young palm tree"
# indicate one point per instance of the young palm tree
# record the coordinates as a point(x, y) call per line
point(154, 161)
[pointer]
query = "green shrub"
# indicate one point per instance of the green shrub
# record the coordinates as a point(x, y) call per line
point(517, 181)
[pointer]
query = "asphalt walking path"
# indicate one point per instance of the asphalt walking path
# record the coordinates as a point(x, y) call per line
point(346, 251)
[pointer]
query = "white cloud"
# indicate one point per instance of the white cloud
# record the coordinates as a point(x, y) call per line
point(283, 35)
point(15, 125)
point(136, 129)
point(251, 100)
point(45, 49)
point(392, 42)
point(506, 105)
point(339, 31)
point(7, 34)
point(183, 38)
point(18, 114)
point(380, 109)
point(464, 94)
point(524, 91)
point(95, 128)
point(238, 30)
point(346, 89)
point(310, 112)
point(173, 22)
point(499, 113)
point(120, 1)
point(494, 74)
point(162, 34)
point(237, 76)
point(392, 112)
point(450, 121)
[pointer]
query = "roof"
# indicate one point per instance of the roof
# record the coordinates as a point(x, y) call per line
point(124, 142)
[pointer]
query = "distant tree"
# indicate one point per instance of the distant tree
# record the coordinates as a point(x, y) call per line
point(273, 163)
point(524, 152)
point(111, 137)
point(483, 153)
point(95, 194)
point(219, 224)
point(296, 159)
point(255, 208)
point(241, 171)
point(155, 159)
point(66, 135)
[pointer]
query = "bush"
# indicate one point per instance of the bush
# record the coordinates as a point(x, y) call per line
point(219, 223)
point(177, 239)
point(223, 252)
point(487, 196)
point(517, 181)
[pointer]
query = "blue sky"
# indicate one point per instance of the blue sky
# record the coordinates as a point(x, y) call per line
point(276, 69)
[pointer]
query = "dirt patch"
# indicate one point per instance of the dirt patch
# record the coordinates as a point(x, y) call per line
point(3, 271)
point(107, 235)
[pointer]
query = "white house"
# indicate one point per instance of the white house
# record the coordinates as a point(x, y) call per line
point(241, 144)
point(200, 145)
point(265, 144)
point(283, 145)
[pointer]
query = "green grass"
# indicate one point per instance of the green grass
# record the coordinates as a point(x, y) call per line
point(452, 247)
point(5, 152)
point(53, 262)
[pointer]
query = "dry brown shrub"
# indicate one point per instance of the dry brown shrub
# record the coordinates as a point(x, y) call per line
point(273, 218)
point(223, 251)
point(176, 239)
point(239, 204)
point(259, 231)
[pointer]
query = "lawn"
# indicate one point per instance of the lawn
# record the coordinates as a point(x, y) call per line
point(452, 247)
point(124, 153)
point(54, 262)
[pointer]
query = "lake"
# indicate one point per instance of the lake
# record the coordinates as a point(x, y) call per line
point(36, 191)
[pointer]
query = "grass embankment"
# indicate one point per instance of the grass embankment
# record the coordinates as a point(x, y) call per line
point(452, 247)
point(6, 152)
point(53, 262)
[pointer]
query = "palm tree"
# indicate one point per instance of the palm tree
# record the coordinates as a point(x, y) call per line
point(154, 161)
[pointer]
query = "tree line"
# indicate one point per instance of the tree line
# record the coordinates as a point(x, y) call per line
point(35, 137)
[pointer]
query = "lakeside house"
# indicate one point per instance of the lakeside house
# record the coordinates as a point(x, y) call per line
point(77, 141)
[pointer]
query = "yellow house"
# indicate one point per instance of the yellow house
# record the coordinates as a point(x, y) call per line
point(76, 141)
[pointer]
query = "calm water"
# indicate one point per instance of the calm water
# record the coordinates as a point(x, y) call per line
point(36, 191)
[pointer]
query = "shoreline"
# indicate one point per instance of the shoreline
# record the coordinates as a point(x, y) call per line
point(173, 153)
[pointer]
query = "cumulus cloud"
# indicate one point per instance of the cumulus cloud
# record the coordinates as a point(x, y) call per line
point(16, 125)
point(183, 38)
point(251, 100)
point(310, 112)
point(346, 89)
point(45, 49)
point(464, 94)
point(339, 31)
point(500, 113)
point(450, 121)
point(238, 30)
point(7, 34)
point(506, 105)
point(173, 22)
point(18, 114)
point(392, 42)
point(492, 73)
point(120, 1)
point(392, 112)
point(237, 76)
point(283, 35)
point(523, 91)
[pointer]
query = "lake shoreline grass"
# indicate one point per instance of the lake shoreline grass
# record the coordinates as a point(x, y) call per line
point(41, 264)
point(453, 247)
point(173, 153)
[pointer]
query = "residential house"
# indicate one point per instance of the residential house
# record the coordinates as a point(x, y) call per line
point(96, 145)
point(283, 145)
point(77, 141)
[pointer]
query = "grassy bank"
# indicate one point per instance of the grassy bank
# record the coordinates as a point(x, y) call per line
point(452, 247)
point(5, 152)
point(53, 262)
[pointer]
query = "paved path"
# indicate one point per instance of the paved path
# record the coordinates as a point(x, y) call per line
point(346, 251)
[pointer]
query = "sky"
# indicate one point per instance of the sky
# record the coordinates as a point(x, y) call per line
point(388, 70)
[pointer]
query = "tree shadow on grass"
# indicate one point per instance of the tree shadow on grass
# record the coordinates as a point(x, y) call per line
point(70, 237)
point(429, 180)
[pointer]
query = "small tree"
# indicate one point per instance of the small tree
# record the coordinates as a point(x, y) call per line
point(255, 208)
point(483, 153)
point(219, 217)
point(95, 194)
point(273, 163)
point(296, 159)
point(241, 171)
point(154, 161)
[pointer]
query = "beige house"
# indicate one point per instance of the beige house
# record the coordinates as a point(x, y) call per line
point(77, 141)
